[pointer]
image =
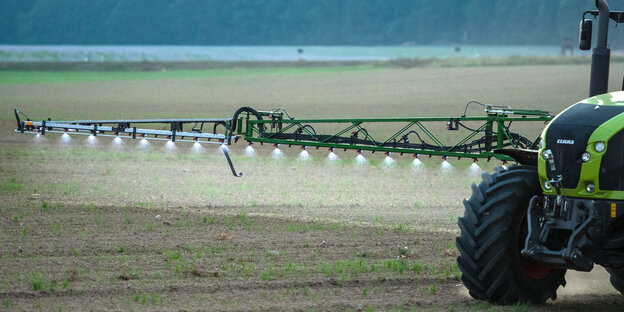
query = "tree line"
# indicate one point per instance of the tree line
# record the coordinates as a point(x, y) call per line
point(290, 22)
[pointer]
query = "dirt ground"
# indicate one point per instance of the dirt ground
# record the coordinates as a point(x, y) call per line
point(119, 230)
point(81, 257)
point(68, 249)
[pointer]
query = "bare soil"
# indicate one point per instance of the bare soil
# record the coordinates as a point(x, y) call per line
point(101, 230)
point(83, 257)
point(110, 258)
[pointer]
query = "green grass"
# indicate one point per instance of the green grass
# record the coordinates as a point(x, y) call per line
point(172, 255)
point(30, 77)
point(433, 289)
point(41, 283)
point(76, 251)
point(10, 186)
point(353, 268)
point(149, 299)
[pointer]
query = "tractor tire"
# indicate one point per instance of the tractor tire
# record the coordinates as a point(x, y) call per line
point(493, 232)
point(617, 278)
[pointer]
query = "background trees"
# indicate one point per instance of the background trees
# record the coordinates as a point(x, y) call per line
point(290, 22)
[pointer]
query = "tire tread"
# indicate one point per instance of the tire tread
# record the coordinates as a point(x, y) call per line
point(489, 219)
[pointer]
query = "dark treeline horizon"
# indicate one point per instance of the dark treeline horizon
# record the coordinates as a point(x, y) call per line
point(291, 22)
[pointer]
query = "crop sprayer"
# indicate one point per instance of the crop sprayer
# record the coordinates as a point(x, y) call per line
point(560, 208)
point(413, 136)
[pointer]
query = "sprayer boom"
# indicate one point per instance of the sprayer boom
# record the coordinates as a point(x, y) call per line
point(481, 137)
point(114, 128)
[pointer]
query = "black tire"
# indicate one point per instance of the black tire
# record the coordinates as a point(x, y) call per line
point(493, 230)
point(617, 278)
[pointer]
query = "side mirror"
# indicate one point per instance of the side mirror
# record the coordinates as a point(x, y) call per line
point(585, 35)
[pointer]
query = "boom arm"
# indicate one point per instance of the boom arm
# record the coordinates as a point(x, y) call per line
point(480, 142)
point(481, 137)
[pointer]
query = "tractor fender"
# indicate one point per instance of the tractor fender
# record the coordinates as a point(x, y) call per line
point(522, 156)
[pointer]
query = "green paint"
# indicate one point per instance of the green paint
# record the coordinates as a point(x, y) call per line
point(274, 128)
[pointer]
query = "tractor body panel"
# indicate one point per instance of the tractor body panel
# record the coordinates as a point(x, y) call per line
point(579, 220)
point(577, 130)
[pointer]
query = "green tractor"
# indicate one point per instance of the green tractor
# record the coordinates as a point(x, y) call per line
point(562, 207)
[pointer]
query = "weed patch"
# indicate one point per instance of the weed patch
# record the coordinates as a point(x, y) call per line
point(149, 299)
point(10, 186)
point(40, 283)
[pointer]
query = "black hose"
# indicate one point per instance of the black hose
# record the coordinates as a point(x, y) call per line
point(301, 128)
point(405, 137)
point(484, 105)
point(216, 124)
point(248, 110)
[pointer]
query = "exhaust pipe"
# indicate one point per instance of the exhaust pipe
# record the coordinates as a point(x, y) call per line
point(601, 54)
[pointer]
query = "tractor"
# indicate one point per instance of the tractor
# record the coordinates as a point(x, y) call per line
point(562, 207)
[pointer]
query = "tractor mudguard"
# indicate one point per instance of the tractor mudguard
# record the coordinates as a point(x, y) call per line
point(522, 156)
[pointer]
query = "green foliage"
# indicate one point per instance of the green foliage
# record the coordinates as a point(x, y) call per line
point(433, 289)
point(10, 186)
point(523, 307)
point(417, 267)
point(288, 22)
point(404, 251)
point(398, 266)
point(149, 299)
point(306, 227)
point(89, 207)
point(134, 273)
point(346, 267)
point(172, 255)
point(39, 283)
point(76, 251)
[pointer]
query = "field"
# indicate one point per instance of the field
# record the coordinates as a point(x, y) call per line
point(110, 229)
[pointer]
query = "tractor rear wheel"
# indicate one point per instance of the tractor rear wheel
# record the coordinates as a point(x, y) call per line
point(493, 231)
point(617, 278)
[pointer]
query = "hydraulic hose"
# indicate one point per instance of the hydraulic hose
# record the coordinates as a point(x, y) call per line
point(246, 109)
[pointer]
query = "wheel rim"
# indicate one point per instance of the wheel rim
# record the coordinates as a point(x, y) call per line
point(534, 270)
